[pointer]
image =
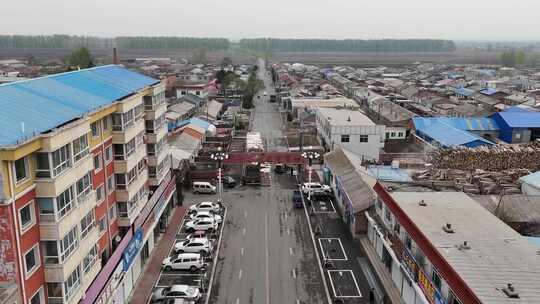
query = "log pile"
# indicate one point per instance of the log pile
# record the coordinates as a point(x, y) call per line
point(490, 159)
point(475, 182)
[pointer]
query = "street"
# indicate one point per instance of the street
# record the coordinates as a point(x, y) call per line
point(267, 253)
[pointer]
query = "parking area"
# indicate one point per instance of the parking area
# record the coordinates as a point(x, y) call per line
point(332, 249)
point(343, 283)
point(200, 278)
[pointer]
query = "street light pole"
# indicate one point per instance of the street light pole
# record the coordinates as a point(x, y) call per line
point(219, 156)
point(310, 155)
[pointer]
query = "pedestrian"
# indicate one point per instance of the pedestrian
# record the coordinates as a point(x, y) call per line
point(371, 296)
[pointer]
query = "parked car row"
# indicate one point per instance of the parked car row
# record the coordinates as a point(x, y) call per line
point(191, 254)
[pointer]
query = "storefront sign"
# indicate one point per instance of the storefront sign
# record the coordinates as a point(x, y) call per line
point(132, 249)
point(429, 290)
point(409, 264)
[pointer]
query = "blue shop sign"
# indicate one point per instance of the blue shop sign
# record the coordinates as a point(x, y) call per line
point(132, 249)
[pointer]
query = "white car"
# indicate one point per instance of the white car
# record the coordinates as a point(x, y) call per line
point(197, 245)
point(206, 215)
point(184, 261)
point(202, 224)
point(265, 94)
point(163, 294)
point(315, 188)
point(205, 206)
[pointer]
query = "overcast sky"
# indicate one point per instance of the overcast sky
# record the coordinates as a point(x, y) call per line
point(455, 19)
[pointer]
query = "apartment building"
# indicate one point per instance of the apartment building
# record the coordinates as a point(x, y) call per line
point(350, 129)
point(79, 154)
point(444, 247)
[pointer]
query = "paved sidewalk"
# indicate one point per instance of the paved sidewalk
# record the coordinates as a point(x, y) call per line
point(150, 273)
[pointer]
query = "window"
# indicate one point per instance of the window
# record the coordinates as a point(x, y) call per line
point(344, 138)
point(132, 176)
point(100, 193)
point(436, 279)
point(69, 243)
point(388, 215)
point(149, 125)
point(400, 134)
point(95, 129)
point(106, 122)
point(31, 261)
point(72, 283)
point(87, 223)
point(102, 224)
point(393, 134)
point(364, 138)
point(61, 160)
point(108, 154)
point(37, 297)
point(120, 181)
point(90, 259)
point(27, 216)
point(151, 149)
point(54, 292)
point(117, 122)
point(112, 213)
point(408, 242)
point(43, 169)
point(122, 209)
point(84, 186)
point(97, 162)
point(50, 252)
point(64, 202)
point(110, 184)
point(80, 147)
point(140, 166)
point(119, 152)
point(21, 169)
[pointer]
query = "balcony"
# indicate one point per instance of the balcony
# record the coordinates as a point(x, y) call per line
point(129, 132)
point(127, 218)
point(60, 272)
point(158, 156)
point(127, 194)
point(157, 135)
point(52, 187)
point(125, 164)
point(50, 229)
point(155, 111)
point(155, 180)
point(64, 136)
point(130, 103)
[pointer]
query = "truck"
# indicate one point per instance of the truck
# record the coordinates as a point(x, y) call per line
point(273, 98)
point(251, 174)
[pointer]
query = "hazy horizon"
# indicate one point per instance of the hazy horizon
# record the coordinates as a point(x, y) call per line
point(460, 20)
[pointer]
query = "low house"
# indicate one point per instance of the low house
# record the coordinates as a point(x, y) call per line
point(194, 89)
point(518, 125)
point(352, 186)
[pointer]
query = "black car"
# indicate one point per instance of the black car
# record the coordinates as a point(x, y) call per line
point(229, 182)
point(280, 168)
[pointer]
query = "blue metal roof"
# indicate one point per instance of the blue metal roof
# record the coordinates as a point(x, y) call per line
point(40, 104)
point(519, 119)
point(518, 109)
point(489, 91)
point(447, 135)
point(465, 123)
point(463, 91)
point(200, 123)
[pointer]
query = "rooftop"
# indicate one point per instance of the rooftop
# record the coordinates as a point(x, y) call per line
point(498, 255)
point(34, 106)
point(345, 117)
point(324, 103)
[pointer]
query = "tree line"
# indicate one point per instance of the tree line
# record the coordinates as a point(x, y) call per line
point(348, 45)
point(127, 42)
point(514, 58)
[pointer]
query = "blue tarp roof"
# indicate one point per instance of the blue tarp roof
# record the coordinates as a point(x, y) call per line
point(44, 103)
point(387, 173)
point(466, 124)
point(446, 134)
point(463, 91)
point(520, 119)
point(489, 91)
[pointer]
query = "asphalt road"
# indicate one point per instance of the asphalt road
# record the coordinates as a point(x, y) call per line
point(267, 254)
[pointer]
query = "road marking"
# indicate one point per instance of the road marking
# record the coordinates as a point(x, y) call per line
point(237, 300)
point(240, 274)
point(288, 231)
point(266, 247)
point(243, 231)
point(286, 215)
point(329, 240)
point(242, 251)
point(291, 251)
point(245, 214)
point(359, 295)
point(294, 273)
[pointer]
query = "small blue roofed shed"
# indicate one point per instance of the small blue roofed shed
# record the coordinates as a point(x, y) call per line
point(452, 132)
point(518, 126)
point(34, 106)
point(463, 92)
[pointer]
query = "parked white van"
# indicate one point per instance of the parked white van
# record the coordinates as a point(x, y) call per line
point(203, 187)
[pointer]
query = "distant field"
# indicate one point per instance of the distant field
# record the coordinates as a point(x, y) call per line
point(106, 54)
point(320, 58)
point(372, 58)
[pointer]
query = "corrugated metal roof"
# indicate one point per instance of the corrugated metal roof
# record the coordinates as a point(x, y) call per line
point(532, 179)
point(466, 124)
point(489, 91)
point(446, 134)
point(520, 119)
point(38, 105)
point(463, 91)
